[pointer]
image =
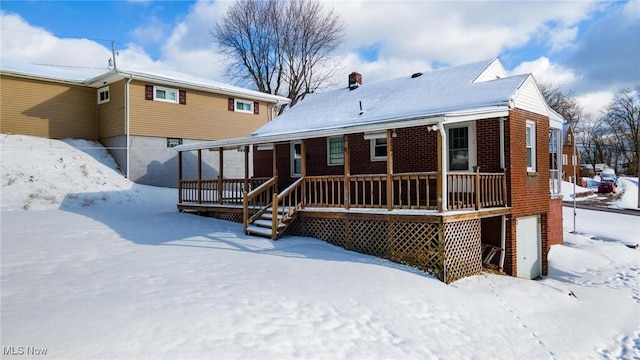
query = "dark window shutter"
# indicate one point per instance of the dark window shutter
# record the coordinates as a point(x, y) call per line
point(148, 92)
point(182, 97)
point(256, 107)
point(231, 104)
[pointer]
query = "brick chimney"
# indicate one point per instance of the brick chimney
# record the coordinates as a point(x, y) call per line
point(355, 80)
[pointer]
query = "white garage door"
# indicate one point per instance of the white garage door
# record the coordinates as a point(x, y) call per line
point(528, 247)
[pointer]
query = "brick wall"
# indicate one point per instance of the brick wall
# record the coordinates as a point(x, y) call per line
point(555, 222)
point(415, 150)
point(529, 192)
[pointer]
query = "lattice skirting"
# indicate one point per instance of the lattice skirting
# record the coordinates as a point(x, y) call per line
point(463, 249)
point(449, 251)
point(235, 217)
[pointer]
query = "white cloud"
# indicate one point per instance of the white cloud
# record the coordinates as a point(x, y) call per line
point(26, 43)
point(559, 39)
point(595, 103)
point(153, 32)
point(545, 71)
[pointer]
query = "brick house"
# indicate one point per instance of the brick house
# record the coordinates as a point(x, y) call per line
point(137, 115)
point(446, 171)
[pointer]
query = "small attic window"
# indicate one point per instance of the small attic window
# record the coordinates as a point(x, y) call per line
point(103, 95)
point(415, 75)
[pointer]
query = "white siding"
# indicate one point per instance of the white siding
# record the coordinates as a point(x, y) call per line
point(492, 72)
point(529, 98)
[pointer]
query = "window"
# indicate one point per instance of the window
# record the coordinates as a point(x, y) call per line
point(103, 95)
point(459, 148)
point(568, 139)
point(296, 159)
point(379, 149)
point(564, 159)
point(165, 94)
point(244, 106)
point(530, 138)
point(335, 150)
point(173, 142)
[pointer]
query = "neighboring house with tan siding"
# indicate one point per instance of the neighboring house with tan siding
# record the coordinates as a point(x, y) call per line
point(138, 115)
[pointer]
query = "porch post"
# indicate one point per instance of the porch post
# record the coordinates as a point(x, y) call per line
point(179, 176)
point(246, 169)
point(439, 199)
point(477, 186)
point(275, 165)
point(199, 176)
point(303, 169)
point(347, 173)
point(389, 170)
point(220, 173)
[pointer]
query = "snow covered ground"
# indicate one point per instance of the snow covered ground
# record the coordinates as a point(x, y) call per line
point(94, 267)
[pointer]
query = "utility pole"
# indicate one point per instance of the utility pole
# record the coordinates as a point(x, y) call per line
point(113, 54)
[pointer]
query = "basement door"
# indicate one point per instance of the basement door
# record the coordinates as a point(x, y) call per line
point(528, 247)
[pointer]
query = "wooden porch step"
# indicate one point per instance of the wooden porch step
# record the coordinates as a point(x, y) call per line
point(266, 223)
point(257, 230)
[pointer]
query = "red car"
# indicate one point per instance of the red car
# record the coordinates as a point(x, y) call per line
point(606, 186)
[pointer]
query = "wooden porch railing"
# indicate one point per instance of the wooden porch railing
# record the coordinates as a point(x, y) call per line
point(410, 190)
point(284, 207)
point(259, 199)
point(215, 191)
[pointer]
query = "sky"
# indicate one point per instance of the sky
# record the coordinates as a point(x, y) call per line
point(591, 48)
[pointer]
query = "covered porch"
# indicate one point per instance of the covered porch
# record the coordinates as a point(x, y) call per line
point(431, 220)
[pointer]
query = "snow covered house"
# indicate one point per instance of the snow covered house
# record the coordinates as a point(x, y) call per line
point(445, 170)
point(138, 115)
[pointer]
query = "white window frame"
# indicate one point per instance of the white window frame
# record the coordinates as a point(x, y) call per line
point(104, 89)
point(243, 102)
point(374, 143)
point(531, 127)
point(329, 163)
point(565, 159)
point(294, 157)
point(472, 145)
point(166, 90)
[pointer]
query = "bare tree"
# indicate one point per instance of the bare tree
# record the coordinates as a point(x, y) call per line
point(564, 103)
point(622, 118)
point(280, 47)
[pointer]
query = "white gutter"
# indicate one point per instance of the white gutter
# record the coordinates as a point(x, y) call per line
point(443, 145)
point(127, 120)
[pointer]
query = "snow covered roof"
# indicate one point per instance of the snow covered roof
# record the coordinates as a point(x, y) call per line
point(436, 93)
point(96, 77)
point(77, 75)
point(465, 92)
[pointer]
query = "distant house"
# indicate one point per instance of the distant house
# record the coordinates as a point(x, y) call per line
point(138, 115)
point(445, 171)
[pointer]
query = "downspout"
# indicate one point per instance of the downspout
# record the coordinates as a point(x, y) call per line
point(127, 114)
point(443, 144)
point(502, 157)
point(503, 241)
